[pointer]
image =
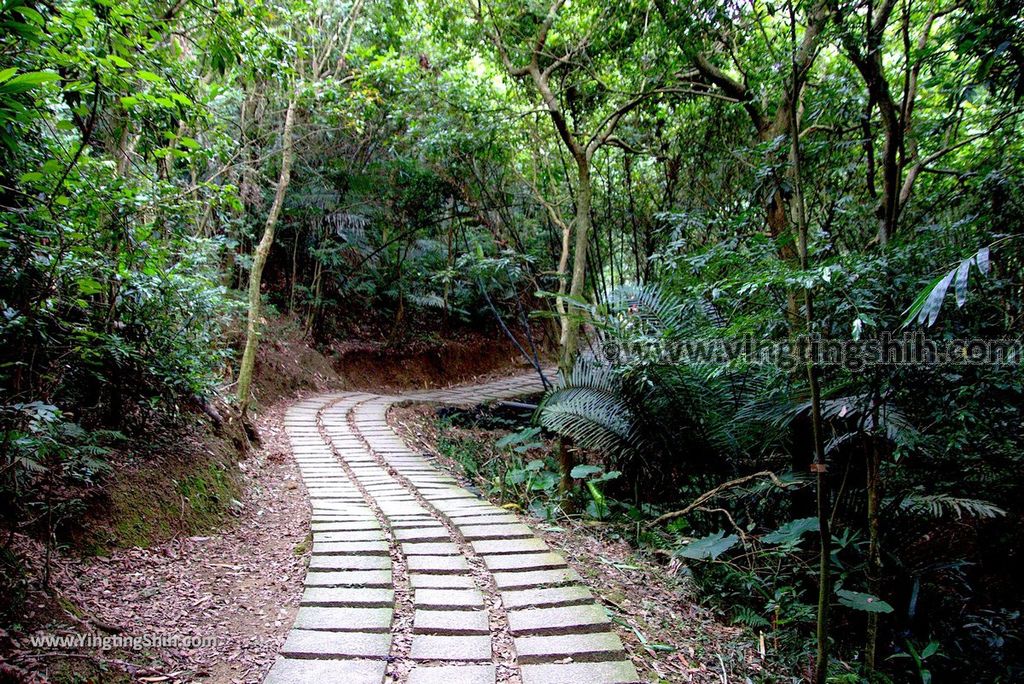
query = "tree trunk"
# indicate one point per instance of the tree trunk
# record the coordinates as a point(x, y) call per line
point(584, 195)
point(874, 569)
point(295, 270)
point(259, 261)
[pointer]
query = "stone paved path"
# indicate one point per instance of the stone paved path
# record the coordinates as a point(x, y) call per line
point(415, 579)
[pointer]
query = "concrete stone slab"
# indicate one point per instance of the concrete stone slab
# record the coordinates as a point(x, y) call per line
point(539, 598)
point(448, 598)
point(420, 581)
point(451, 674)
point(350, 548)
point(344, 619)
point(348, 596)
point(536, 578)
point(500, 546)
point(304, 643)
point(615, 672)
point(579, 647)
point(451, 622)
point(437, 565)
point(430, 549)
point(422, 534)
point(524, 561)
point(430, 647)
point(474, 532)
point(349, 578)
point(349, 563)
point(349, 536)
point(290, 671)
point(560, 620)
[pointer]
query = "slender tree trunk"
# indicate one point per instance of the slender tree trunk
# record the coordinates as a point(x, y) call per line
point(799, 214)
point(295, 270)
point(874, 569)
point(314, 307)
point(260, 260)
point(571, 322)
point(584, 195)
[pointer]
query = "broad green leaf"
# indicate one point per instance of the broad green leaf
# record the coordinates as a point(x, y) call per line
point(709, 547)
point(30, 15)
point(582, 471)
point(961, 281)
point(982, 260)
point(25, 82)
point(517, 437)
point(89, 286)
point(860, 601)
point(930, 312)
point(791, 532)
point(610, 475)
point(149, 76)
point(912, 312)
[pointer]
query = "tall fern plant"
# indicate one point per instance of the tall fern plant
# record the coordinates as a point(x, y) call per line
point(656, 419)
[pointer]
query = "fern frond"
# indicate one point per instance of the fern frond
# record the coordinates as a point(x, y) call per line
point(941, 505)
point(745, 615)
point(426, 301)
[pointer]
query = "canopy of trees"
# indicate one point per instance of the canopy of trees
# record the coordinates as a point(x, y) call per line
point(595, 179)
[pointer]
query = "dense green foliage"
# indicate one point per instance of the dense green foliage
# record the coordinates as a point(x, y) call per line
point(606, 181)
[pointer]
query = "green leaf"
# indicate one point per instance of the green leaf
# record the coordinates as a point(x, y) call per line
point(709, 547)
point(861, 601)
point(961, 281)
point(982, 260)
point(30, 15)
point(149, 76)
point(610, 475)
point(523, 435)
point(791, 532)
point(930, 312)
point(89, 286)
point(582, 471)
point(25, 82)
point(7, 73)
point(119, 62)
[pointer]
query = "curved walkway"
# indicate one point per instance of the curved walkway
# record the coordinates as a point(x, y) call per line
point(415, 579)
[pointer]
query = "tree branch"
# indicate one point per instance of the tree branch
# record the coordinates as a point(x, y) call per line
point(712, 493)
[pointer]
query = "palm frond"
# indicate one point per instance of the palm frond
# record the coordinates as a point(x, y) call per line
point(588, 407)
point(594, 419)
